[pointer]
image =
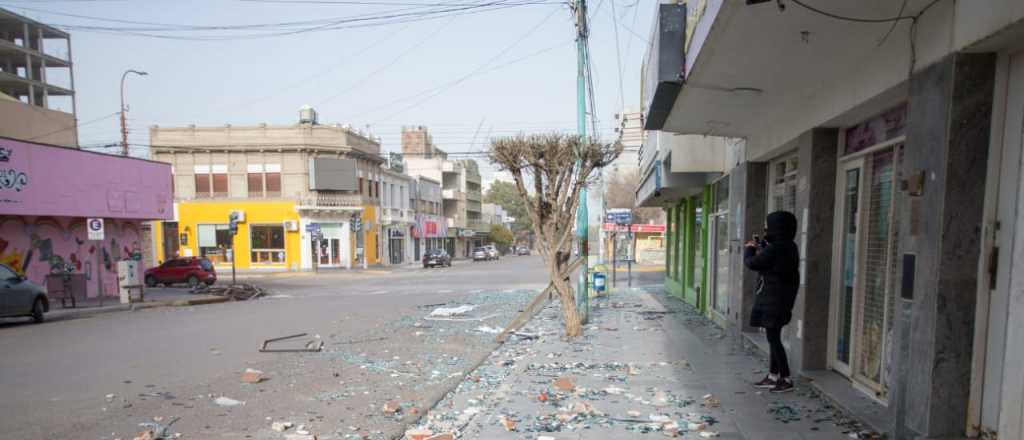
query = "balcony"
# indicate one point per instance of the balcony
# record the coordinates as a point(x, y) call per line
point(452, 194)
point(473, 195)
point(457, 222)
point(396, 215)
point(449, 167)
point(331, 202)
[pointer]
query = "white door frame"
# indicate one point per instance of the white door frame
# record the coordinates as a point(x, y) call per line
point(839, 231)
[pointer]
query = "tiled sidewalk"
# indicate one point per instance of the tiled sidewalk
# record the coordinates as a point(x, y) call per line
point(640, 371)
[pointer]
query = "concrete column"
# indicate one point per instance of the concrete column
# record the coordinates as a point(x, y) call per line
point(815, 202)
point(747, 197)
point(948, 129)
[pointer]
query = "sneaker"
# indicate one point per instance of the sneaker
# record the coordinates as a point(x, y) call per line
point(783, 386)
point(767, 382)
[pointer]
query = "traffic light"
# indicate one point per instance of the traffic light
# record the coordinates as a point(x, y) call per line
point(233, 223)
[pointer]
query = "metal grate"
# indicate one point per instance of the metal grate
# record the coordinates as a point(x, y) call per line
point(876, 268)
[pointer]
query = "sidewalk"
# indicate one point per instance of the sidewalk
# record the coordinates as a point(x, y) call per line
point(641, 370)
point(155, 297)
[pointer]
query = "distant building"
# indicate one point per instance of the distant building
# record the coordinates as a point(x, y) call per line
point(307, 192)
point(460, 189)
point(631, 135)
point(37, 82)
point(396, 217)
point(430, 230)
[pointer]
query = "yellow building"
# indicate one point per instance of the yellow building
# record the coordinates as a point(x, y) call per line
point(297, 188)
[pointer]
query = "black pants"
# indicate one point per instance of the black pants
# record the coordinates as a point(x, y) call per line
point(779, 364)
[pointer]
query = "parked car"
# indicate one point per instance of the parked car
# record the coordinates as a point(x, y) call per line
point(189, 270)
point(492, 252)
point(21, 297)
point(437, 257)
point(522, 250)
point(481, 254)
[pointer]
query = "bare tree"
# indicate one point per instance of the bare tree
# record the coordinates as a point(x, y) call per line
point(621, 193)
point(550, 171)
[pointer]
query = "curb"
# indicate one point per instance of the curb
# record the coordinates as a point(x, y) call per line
point(83, 313)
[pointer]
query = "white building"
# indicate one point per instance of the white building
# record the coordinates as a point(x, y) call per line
point(396, 217)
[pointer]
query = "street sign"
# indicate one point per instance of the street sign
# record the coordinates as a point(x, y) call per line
point(623, 217)
point(313, 227)
point(95, 227)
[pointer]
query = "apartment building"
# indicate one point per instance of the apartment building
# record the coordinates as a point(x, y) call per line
point(37, 82)
point(899, 155)
point(397, 216)
point(460, 189)
point(308, 194)
point(430, 230)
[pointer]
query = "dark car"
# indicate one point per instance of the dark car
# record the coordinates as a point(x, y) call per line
point(21, 297)
point(436, 257)
point(190, 270)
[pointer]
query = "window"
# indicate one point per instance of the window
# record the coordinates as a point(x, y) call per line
point(254, 180)
point(267, 244)
point(782, 186)
point(264, 180)
point(211, 181)
point(272, 174)
point(214, 243)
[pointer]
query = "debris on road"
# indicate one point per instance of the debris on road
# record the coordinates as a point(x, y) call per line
point(313, 345)
point(227, 401)
point(253, 376)
point(236, 292)
point(489, 329)
point(281, 426)
point(448, 312)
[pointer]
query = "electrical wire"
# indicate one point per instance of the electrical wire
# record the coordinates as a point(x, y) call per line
point(72, 127)
point(618, 56)
point(854, 19)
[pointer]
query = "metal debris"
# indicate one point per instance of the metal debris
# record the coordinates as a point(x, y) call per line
point(236, 292)
point(313, 345)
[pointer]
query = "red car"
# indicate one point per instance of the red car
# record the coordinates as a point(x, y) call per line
point(191, 270)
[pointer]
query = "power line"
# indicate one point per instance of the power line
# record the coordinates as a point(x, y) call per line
point(479, 69)
point(72, 127)
point(618, 56)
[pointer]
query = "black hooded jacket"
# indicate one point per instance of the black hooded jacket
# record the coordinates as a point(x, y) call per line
point(778, 267)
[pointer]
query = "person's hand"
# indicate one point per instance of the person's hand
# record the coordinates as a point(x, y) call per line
point(751, 244)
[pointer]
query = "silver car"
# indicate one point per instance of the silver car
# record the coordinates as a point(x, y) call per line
point(21, 297)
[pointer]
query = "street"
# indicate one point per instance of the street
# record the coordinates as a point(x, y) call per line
point(99, 377)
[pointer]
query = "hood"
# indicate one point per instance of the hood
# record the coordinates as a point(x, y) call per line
point(781, 226)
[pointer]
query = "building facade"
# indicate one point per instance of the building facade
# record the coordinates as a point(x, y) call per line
point(308, 195)
point(430, 229)
point(47, 204)
point(397, 217)
point(460, 189)
point(900, 158)
point(37, 82)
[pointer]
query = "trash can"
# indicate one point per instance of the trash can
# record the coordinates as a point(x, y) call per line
point(599, 282)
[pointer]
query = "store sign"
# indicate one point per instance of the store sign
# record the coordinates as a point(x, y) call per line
point(466, 233)
point(396, 233)
point(644, 228)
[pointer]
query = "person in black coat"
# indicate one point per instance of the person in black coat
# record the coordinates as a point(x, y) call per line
point(776, 259)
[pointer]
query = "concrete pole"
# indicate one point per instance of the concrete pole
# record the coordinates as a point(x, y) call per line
point(124, 125)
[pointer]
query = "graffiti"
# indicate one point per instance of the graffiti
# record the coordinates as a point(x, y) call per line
point(5, 154)
point(13, 179)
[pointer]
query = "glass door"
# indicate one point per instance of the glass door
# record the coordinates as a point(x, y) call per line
point(843, 296)
point(720, 297)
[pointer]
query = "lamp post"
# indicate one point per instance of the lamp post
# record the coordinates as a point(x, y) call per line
point(124, 125)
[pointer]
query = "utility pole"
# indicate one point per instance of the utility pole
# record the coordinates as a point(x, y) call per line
point(124, 123)
point(582, 33)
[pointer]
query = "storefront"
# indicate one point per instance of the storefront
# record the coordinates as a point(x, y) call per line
point(46, 199)
point(866, 228)
point(267, 238)
point(428, 233)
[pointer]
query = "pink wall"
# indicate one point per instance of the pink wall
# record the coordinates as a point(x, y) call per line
point(35, 246)
point(40, 179)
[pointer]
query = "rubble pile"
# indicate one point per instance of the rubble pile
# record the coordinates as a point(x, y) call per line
point(236, 292)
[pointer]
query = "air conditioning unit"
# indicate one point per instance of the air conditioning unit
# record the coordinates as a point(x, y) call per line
point(240, 215)
point(291, 225)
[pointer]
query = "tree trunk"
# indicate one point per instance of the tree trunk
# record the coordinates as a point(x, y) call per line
point(559, 280)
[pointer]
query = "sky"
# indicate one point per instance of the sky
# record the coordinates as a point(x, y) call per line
point(466, 77)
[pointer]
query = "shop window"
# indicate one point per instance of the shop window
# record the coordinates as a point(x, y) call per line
point(214, 243)
point(267, 244)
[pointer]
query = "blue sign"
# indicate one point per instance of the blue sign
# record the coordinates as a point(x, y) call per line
point(313, 227)
point(620, 217)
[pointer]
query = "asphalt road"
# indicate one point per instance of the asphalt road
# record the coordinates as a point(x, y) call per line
point(99, 377)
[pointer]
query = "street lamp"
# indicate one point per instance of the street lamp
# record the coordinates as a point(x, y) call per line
point(124, 126)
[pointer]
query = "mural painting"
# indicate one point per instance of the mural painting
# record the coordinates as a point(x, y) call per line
point(37, 246)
